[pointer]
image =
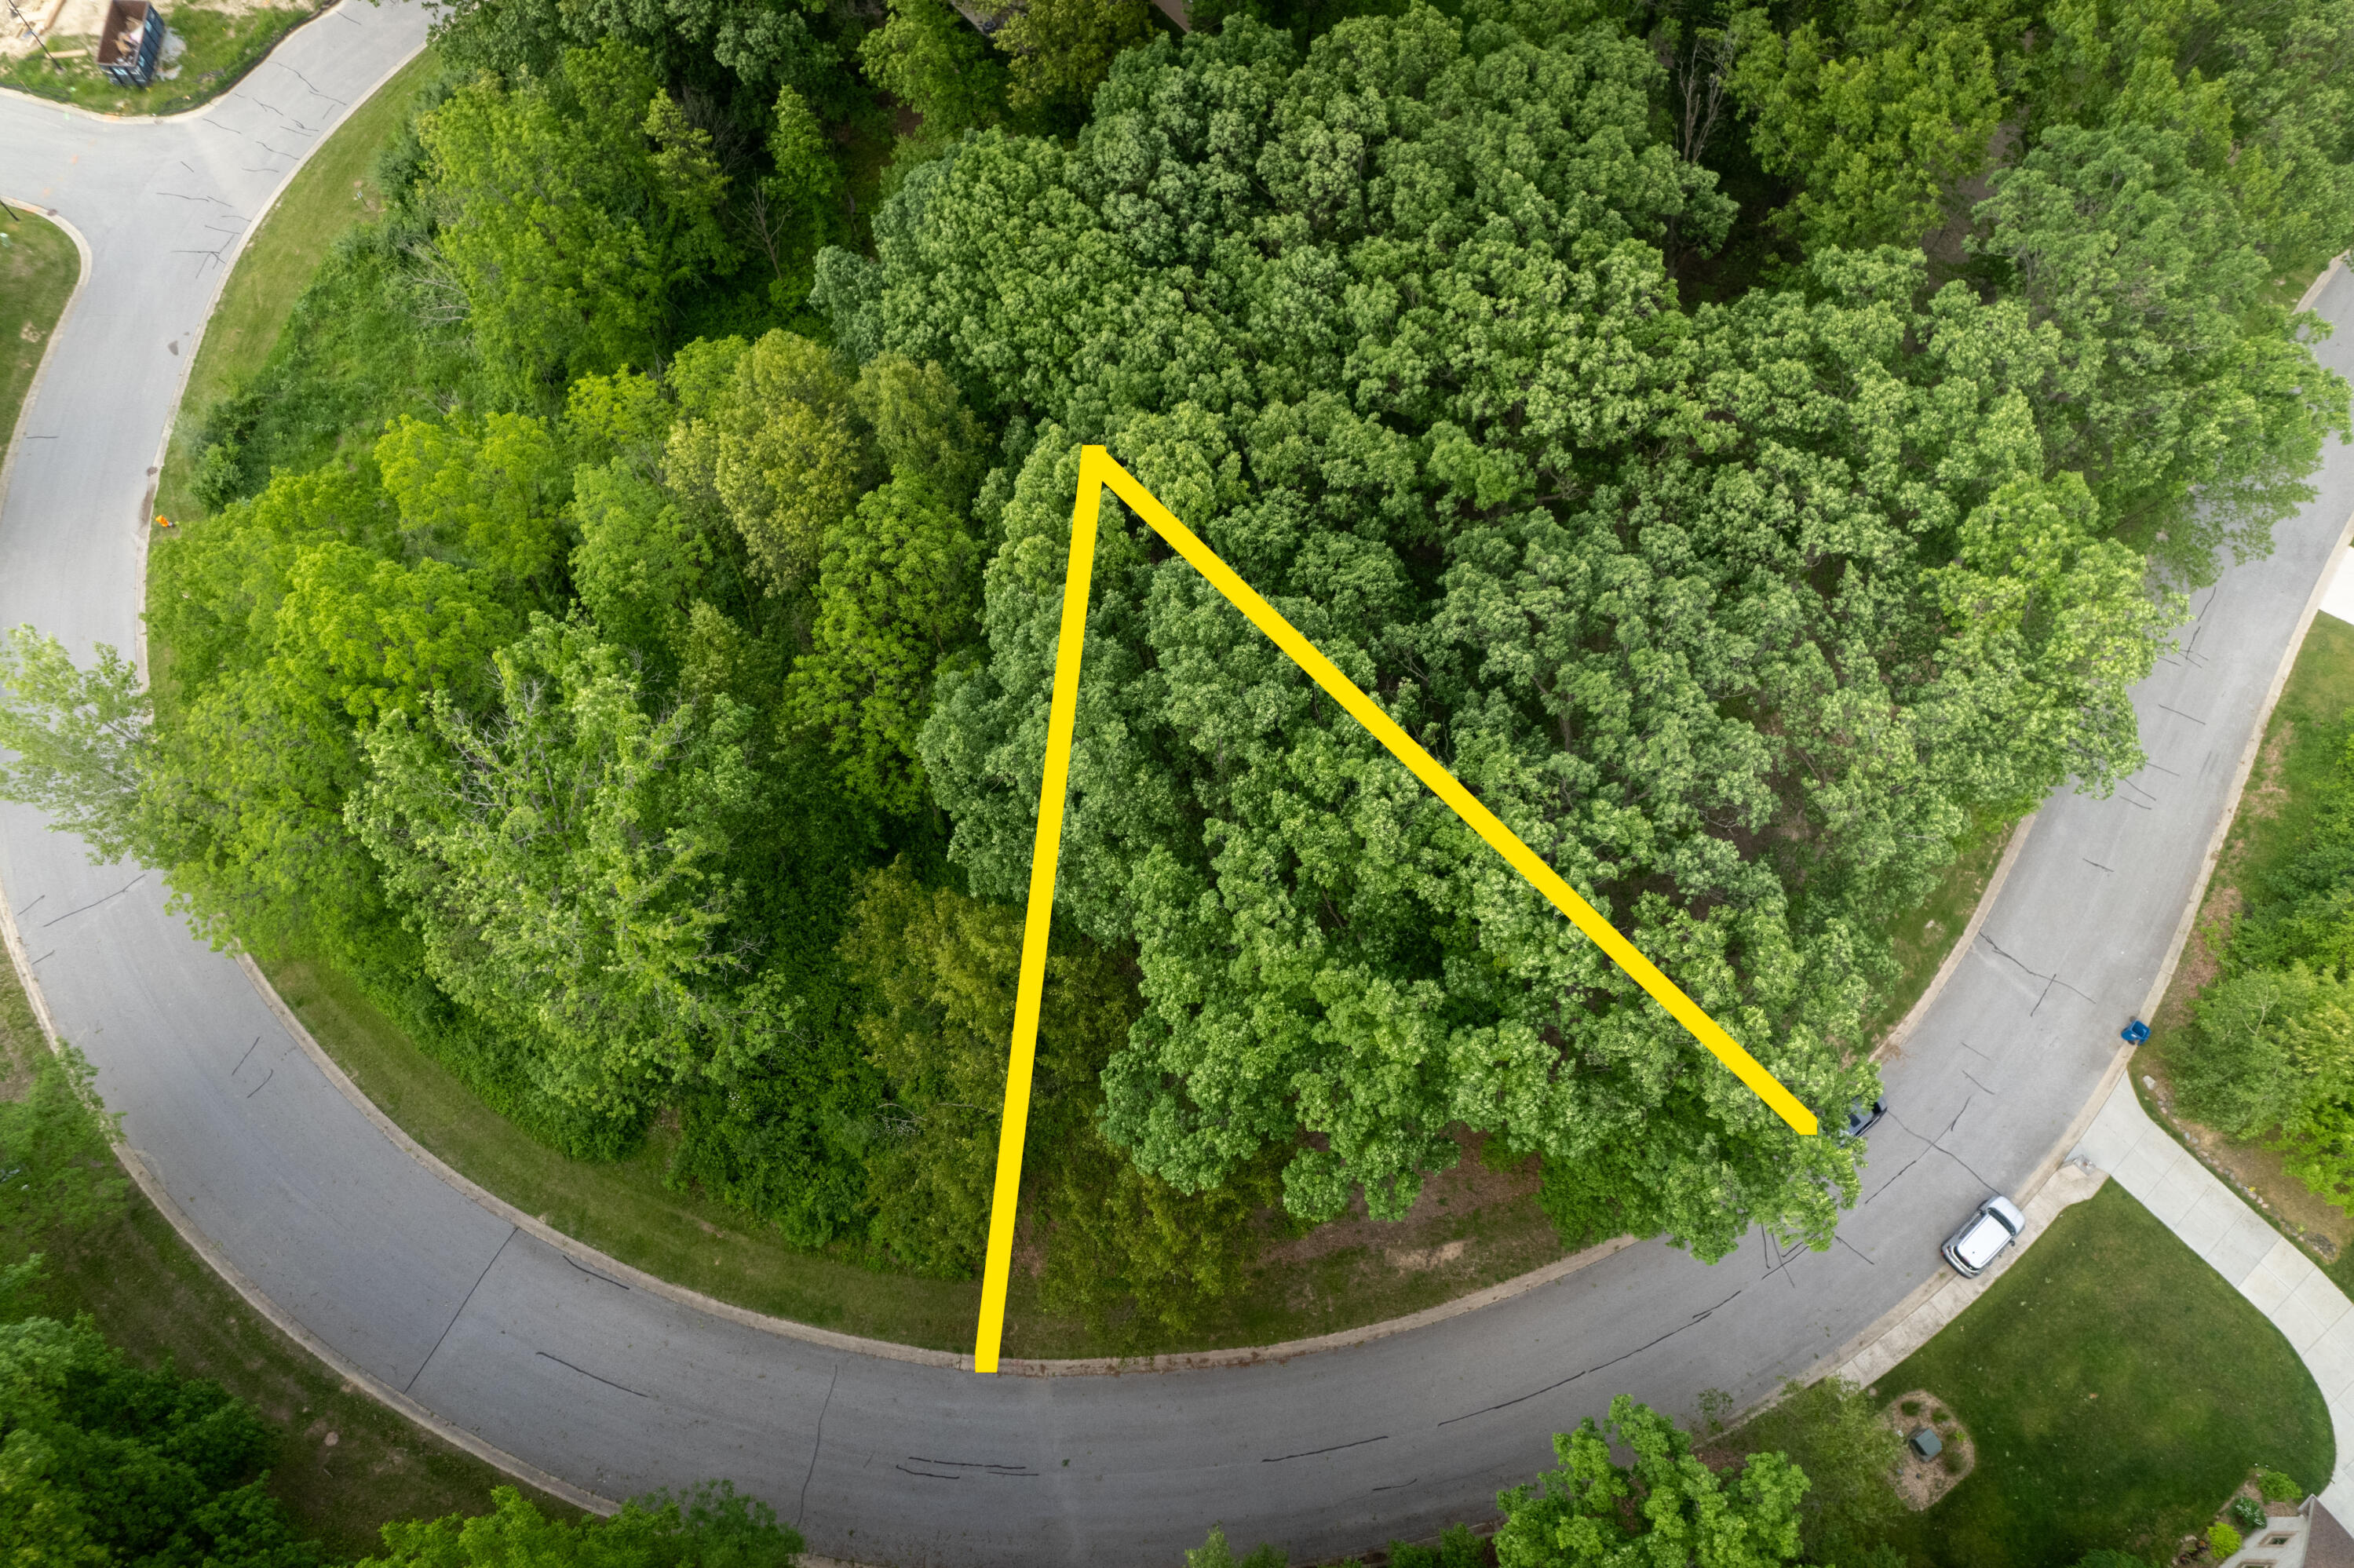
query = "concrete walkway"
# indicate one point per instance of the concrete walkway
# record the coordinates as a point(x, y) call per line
point(2263, 1264)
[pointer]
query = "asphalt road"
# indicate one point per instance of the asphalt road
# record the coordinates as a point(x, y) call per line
point(620, 1389)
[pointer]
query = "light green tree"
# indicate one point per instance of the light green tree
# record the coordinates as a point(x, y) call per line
point(779, 452)
point(488, 494)
point(1666, 1509)
point(897, 592)
point(1878, 113)
point(568, 861)
point(571, 208)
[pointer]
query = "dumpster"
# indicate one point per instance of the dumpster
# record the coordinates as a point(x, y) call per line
point(131, 43)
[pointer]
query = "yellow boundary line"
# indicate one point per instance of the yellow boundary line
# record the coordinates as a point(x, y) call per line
point(1097, 469)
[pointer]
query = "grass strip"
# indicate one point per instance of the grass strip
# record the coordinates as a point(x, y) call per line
point(38, 267)
point(333, 190)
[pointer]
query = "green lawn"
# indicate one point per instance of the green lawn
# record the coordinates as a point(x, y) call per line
point(332, 191)
point(39, 265)
point(2117, 1388)
point(154, 1297)
point(220, 48)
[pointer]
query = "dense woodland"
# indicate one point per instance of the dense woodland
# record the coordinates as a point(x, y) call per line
point(1757, 450)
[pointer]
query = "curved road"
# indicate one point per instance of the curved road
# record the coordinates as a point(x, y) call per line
point(618, 1390)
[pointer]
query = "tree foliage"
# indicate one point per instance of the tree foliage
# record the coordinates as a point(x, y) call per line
point(102, 1463)
point(1664, 587)
point(1665, 1509)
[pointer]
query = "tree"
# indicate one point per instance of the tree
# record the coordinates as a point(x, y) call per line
point(939, 65)
point(1122, 1248)
point(489, 495)
point(569, 863)
point(2176, 389)
point(779, 451)
point(922, 427)
point(1878, 112)
point(1666, 1509)
point(103, 1463)
point(571, 210)
point(1061, 50)
point(897, 592)
point(710, 1526)
point(1833, 1432)
point(797, 210)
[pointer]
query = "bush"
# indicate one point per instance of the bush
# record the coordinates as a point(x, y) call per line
point(2278, 1486)
point(1458, 1548)
point(219, 478)
point(2223, 1539)
point(2247, 1513)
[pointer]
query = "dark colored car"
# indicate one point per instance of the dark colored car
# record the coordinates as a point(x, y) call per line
point(1861, 1118)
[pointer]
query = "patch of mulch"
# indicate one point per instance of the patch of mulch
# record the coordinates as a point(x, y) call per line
point(1921, 1482)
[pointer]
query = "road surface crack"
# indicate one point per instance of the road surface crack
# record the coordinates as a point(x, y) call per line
point(95, 903)
point(460, 1312)
point(1311, 1452)
point(819, 1446)
point(584, 1372)
point(1599, 1366)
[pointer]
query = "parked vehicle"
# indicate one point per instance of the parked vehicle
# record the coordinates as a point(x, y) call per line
point(1981, 1239)
point(1861, 1118)
point(131, 43)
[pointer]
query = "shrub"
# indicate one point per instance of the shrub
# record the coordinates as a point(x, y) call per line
point(2223, 1539)
point(1911, 1408)
point(2247, 1513)
point(219, 478)
point(1952, 1459)
point(1458, 1548)
point(2278, 1486)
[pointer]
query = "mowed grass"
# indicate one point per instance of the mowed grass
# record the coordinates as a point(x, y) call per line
point(152, 1296)
point(38, 267)
point(328, 194)
point(2117, 1390)
point(220, 48)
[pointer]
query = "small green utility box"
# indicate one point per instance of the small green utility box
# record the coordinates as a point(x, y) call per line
point(1925, 1442)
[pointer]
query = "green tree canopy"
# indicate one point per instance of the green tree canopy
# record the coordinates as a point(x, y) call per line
point(571, 208)
point(1657, 584)
point(1666, 1509)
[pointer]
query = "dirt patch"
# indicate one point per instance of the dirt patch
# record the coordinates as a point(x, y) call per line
point(1471, 1185)
point(1919, 1481)
point(2202, 953)
point(2267, 789)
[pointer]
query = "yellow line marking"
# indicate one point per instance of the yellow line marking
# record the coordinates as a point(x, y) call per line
point(1096, 470)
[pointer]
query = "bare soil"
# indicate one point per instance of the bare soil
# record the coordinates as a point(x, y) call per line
point(1407, 1244)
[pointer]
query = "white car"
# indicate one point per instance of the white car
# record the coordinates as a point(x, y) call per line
point(1981, 1239)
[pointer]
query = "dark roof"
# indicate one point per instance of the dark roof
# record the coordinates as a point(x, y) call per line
point(2328, 1545)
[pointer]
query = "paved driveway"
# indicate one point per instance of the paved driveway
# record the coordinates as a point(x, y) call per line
point(620, 1389)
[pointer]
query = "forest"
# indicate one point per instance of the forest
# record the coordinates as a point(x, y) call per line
point(1757, 450)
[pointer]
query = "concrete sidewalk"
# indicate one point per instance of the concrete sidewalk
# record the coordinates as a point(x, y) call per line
point(2263, 1264)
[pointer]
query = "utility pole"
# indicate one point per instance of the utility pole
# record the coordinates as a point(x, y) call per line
point(25, 23)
